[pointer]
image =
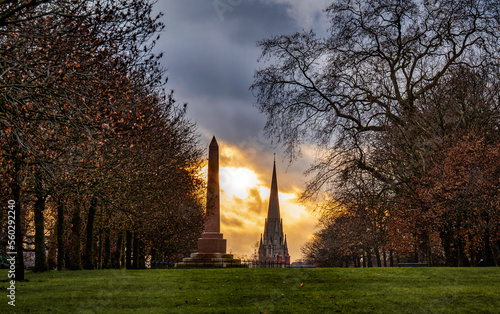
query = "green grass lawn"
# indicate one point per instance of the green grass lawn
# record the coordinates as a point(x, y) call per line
point(374, 290)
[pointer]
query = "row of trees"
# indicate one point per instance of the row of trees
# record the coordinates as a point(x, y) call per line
point(99, 159)
point(402, 101)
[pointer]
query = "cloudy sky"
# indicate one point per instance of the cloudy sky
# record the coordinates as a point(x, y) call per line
point(210, 53)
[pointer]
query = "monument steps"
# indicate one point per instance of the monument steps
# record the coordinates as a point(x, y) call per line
point(210, 260)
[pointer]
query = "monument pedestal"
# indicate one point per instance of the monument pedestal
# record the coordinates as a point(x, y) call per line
point(211, 253)
point(211, 242)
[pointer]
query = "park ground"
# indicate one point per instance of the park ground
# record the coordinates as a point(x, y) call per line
point(327, 290)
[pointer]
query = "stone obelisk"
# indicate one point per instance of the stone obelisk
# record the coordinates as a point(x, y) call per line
point(212, 245)
point(212, 240)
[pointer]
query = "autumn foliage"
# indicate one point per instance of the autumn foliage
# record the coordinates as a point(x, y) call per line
point(99, 158)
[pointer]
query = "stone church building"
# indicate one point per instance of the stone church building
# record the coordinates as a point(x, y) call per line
point(273, 246)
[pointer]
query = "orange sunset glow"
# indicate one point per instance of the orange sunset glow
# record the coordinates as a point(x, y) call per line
point(245, 187)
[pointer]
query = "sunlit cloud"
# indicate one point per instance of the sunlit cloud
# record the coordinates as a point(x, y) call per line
point(237, 181)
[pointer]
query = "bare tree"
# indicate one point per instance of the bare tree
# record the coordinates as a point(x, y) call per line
point(363, 94)
point(380, 59)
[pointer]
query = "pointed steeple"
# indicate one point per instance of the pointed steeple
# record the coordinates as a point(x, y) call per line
point(274, 205)
point(273, 242)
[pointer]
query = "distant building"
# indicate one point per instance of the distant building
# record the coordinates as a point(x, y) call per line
point(273, 246)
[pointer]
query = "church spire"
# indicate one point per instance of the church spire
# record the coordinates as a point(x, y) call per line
point(274, 206)
point(274, 242)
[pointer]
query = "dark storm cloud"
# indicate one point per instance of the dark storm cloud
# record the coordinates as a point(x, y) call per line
point(254, 20)
point(211, 62)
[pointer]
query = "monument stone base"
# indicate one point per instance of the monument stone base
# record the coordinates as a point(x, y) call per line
point(211, 242)
point(210, 260)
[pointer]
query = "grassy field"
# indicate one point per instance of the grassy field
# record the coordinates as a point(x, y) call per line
point(375, 290)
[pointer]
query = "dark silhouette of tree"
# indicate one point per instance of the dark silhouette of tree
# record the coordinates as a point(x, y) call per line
point(378, 97)
point(90, 140)
point(16, 12)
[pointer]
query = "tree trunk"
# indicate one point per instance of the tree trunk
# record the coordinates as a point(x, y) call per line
point(416, 250)
point(496, 255)
point(76, 257)
point(463, 260)
point(428, 247)
point(369, 255)
point(135, 253)
point(107, 250)
point(89, 243)
point(16, 194)
point(488, 250)
point(445, 242)
point(123, 246)
point(60, 236)
point(99, 249)
point(40, 257)
point(391, 258)
point(377, 256)
point(39, 207)
point(421, 247)
point(128, 250)
point(385, 258)
point(67, 254)
point(101, 245)
point(51, 257)
point(119, 260)
point(142, 255)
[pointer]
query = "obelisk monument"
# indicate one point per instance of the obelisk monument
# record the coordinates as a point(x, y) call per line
point(211, 240)
point(212, 245)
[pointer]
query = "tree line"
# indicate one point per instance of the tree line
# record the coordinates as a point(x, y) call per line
point(100, 160)
point(401, 100)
